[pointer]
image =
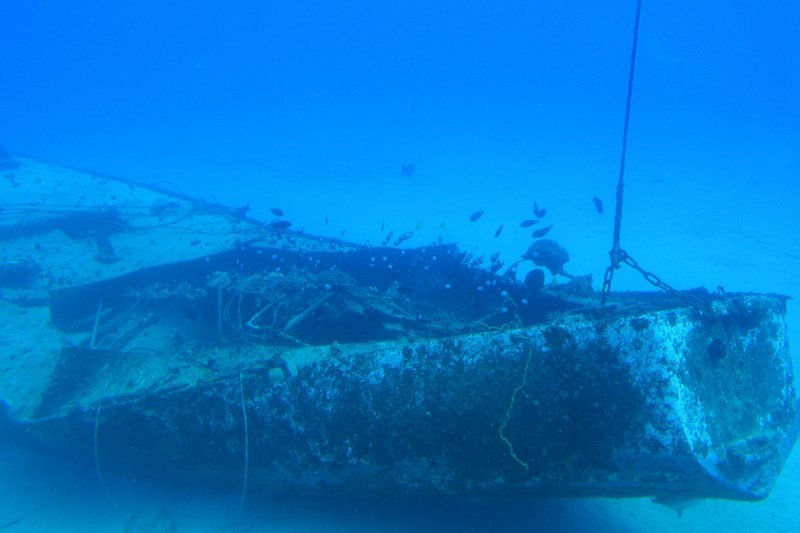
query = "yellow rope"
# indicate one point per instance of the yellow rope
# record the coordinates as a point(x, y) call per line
point(507, 417)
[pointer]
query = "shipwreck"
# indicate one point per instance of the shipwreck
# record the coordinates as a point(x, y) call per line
point(155, 333)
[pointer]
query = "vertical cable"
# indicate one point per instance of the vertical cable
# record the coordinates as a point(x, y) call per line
point(616, 253)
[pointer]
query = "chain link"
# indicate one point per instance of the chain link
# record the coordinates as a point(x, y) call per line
point(620, 257)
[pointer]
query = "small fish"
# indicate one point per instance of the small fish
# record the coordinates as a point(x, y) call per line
point(326, 219)
point(388, 237)
point(528, 223)
point(541, 232)
point(419, 225)
point(495, 257)
point(277, 211)
point(279, 224)
point(383, 224)
point(499, 231)
point(677, 503)
point(444, 226)
point(408, 169)
point(14, 521)
point(475, 216)
point(598, 205)
point(538, 212)
point(403, 237)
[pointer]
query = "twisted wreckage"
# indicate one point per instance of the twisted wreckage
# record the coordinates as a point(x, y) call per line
point(152, 332)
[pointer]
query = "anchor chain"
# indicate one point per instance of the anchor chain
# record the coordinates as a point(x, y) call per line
point(617, 254)
point(622, 256)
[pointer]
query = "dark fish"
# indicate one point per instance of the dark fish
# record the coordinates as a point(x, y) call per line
point(528, 223)
point(279, 224)
point(277, 211)
point(676, 503)
point(326, 219)
point(408, 169)
point(10, 523)
point(475, 216)
point(541, 232)
point(382, 225)
point(598, 205)
point(403, 237)
point(499, 231)
point(538, 212)
point(388, 237)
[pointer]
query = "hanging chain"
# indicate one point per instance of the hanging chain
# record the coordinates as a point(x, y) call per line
point(617, 254)
point(700, 304)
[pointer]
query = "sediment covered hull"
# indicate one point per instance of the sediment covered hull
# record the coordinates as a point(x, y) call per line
point(597, 404)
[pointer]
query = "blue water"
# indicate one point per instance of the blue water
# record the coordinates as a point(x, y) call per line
point(314, 107)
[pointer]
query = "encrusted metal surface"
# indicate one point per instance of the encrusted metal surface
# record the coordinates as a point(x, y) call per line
point(625, 406)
